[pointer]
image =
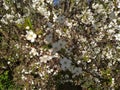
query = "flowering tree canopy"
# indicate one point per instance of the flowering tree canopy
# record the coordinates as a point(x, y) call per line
point(47, 43)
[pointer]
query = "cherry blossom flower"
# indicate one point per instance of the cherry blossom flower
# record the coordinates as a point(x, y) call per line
point(58, 45)
point(75, 71)
point(65, 63)
point(31, 36)
point(45, 58)
point(33, 52)
point(117, 36)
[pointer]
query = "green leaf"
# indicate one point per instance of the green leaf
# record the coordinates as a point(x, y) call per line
point(85, 58)
point(47, 46)
point(28, 22)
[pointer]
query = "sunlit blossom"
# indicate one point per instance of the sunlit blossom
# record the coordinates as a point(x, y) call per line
point(117, 36)
point(45, 58)
point(31, 36)
point(33, 52)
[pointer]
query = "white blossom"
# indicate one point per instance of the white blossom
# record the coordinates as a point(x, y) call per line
point(98, 7)
point(43, 11)
point(60, 19)
point(27, 27)
point(119, 4)
point(31, 36)
point(7, 18)
point(58, 45)
point(5, 6)
point(117, 36)
point(48, 38)
point(23, 77)
point(33, 52)
point(65, 63)
point(76, 71)
point(45, 58)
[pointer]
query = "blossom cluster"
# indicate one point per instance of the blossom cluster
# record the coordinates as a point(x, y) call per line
point(75, 41)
